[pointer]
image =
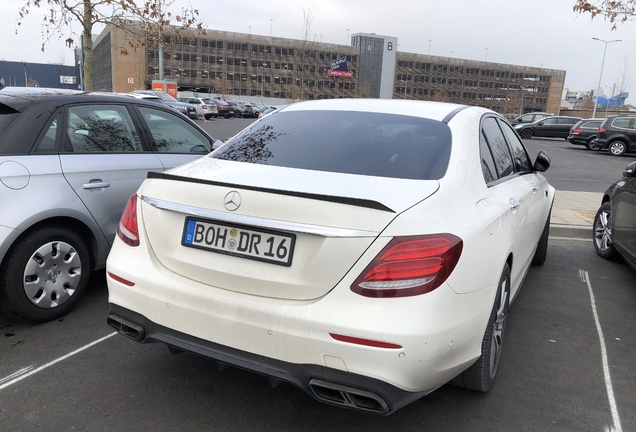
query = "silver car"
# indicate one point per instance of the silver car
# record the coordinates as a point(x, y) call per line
point(69, 161)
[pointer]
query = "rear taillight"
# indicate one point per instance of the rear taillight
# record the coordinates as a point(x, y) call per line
point(602, 130)
point(128, 230)
point(410, 266)
point(204, 107)
point(575, 131)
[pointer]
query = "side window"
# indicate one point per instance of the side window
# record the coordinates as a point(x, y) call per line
point(46, 144)
point(101, 128)
point(623, 123)
point(497, 143)
point(570, 121)
point(550, 121)
point(173, 134)
point(487, 161)
point(519, 154)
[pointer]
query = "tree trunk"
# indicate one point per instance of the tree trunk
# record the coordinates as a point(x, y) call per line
point(87, 45)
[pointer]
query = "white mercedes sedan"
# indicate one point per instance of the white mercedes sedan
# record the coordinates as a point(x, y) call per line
point(366, 251)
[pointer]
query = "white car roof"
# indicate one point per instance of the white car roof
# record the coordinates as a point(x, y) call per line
point(431, 110)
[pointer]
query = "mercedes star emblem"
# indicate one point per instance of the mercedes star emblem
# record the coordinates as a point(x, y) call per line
point(232, 201)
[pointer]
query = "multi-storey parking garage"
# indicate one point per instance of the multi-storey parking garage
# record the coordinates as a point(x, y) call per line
point(239, 64)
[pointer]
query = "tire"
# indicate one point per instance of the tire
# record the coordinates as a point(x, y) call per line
point(542, 248)
point(617, 148)
point(44, 274)
point(526, 133)
point(589, 145)
point(482, 374)
point(602, 232)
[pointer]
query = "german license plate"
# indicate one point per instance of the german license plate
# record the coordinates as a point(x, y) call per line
point(239, 240)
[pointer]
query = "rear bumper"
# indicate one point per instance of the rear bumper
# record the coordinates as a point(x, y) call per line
point(331, 386)
point(577, 140)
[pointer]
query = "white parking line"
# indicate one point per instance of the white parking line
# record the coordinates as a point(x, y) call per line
point(28, 371)
point(616, 427)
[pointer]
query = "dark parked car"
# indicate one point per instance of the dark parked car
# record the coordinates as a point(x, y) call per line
point(551, 127)
point(584, 133)
point(69, 161)
point(236, 109)
point(248, 109)
point(530, 117)
point(184, 108)
point(223, 109)
point(615, 221)
point(617, 134)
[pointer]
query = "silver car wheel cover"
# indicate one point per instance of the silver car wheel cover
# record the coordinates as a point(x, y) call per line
point(617, 148)
point(52, 274)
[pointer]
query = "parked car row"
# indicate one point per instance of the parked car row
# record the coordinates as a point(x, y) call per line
point(158, 96)
point(211, 107)
point(616, 134)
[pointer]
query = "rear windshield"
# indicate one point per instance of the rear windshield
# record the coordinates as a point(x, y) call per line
point(374, 144)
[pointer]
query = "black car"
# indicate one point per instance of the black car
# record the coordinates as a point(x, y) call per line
point(530, 117)
point(549, 127)
point(184, 108)
point(617, 134)
point(248, 109)
point(615, 221)
point(584, 132)
point(223, 109)
point(236, 109)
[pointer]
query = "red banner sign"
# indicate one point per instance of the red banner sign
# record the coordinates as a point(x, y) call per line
point(339, 73)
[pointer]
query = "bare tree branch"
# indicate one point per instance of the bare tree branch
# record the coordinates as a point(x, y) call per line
point(152, 18)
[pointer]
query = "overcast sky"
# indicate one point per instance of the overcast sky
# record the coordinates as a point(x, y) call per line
point(543, 33)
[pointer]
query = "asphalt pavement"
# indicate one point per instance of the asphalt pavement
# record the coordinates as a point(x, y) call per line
point(573, 214)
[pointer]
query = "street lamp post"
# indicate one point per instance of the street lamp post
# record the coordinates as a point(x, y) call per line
point(406, 85)
point(262, 80)
point(601, 75)
point(26, 80)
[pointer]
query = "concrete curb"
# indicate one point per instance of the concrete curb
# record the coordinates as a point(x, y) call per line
point(577, 232)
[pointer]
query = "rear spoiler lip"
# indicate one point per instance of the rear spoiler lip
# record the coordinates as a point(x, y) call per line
point(358, 202)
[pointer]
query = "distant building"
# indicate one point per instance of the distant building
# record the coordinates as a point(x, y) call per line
point(573, 100)
point(251, 66)
point(21, 74)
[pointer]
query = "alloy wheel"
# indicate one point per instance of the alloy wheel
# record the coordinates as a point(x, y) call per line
point(498, 327)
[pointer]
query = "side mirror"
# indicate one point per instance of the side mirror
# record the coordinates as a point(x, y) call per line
point(630, 171)
point(217, 144)
point(542, 162)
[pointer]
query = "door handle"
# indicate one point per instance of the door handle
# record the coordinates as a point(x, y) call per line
point(96, 184)
point(535, 188)
point(514, 205)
